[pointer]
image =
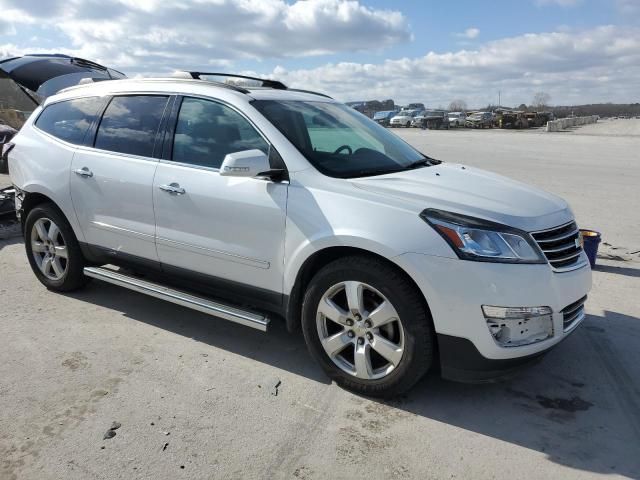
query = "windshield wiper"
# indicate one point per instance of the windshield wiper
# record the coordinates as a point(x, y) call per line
point(423, 162)
point(372, 173)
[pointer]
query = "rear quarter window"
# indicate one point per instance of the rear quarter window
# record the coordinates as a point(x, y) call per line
point(69, 120)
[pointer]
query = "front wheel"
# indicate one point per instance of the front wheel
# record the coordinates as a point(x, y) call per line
point(52, 249)
point(367, 326)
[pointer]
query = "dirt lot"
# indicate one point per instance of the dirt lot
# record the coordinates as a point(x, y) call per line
point(197, 398)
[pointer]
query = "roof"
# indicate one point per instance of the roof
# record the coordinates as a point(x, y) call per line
point(189, 86)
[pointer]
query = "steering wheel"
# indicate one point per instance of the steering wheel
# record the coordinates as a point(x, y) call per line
point(343, 147)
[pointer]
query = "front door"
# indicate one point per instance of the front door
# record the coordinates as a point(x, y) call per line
point(228, 228)
point(111, 182)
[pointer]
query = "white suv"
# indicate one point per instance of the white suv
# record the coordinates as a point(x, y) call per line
point(254, 203)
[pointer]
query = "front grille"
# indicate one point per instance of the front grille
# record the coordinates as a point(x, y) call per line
point(573, 314)
point(561, 245)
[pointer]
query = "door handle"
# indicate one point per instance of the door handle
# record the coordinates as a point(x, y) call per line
point(83, 172)
point(173, 188)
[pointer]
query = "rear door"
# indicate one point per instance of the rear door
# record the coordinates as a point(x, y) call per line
point(112, 177)
point(216, 227)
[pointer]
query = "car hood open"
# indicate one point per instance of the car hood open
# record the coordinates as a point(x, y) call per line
point(471, 191)
point(40, 76)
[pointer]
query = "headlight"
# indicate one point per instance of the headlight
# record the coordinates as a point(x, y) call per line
point(481, 240)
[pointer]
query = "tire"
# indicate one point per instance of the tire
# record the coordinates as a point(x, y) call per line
point(57, 243)
point(408, 329)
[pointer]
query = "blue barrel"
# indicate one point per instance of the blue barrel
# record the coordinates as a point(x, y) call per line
point(590, 240)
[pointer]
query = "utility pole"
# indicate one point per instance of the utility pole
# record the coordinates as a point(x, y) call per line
point(499, 93)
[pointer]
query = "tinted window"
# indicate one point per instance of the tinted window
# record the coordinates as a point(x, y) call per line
point(207, 131)
point(69, 120)
point(129, 124)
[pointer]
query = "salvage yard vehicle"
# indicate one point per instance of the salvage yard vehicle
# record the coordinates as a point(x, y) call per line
point(538, 119)
point(431, 119)
point(511, 119)
point(403, 118)
point(383, 118)
point(457, 119)
point(258, 203)
point(480, 120)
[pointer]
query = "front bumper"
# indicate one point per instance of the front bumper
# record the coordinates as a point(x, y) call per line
point(456, 290)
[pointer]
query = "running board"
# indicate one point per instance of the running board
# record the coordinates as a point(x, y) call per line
point(233, 314)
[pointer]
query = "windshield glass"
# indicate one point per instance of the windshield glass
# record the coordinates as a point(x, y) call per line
point(337, 140)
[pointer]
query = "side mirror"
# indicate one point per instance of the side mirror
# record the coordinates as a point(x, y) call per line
point(248, 163)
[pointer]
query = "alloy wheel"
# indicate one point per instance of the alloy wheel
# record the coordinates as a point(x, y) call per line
point(49, 249)
point(360, 330)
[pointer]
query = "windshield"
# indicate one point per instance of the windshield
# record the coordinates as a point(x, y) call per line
point(339, 141)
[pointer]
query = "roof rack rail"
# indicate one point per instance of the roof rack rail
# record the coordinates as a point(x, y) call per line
point(275, 84)
point(309, 91)
point(266, 82)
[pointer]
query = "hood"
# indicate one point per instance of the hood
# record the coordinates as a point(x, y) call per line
point(470, 191)
point(40, 76)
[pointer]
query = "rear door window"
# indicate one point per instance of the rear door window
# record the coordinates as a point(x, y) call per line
point(69, 120)
point(130, 124)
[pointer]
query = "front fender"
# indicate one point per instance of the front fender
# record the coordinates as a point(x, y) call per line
point(309, 247)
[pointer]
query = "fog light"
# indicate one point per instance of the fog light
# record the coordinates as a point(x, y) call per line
point(518, 326)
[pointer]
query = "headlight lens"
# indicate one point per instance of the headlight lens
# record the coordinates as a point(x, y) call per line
point(481, 240)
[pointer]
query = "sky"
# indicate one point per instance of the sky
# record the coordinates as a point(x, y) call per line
point(577, 51)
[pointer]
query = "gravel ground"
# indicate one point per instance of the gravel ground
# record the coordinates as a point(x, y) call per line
point(199, 398)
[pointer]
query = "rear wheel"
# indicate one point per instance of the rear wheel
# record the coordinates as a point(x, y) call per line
point(53, 250)
point(367, 326)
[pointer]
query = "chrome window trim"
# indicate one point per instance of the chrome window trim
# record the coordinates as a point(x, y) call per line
point(86, 148)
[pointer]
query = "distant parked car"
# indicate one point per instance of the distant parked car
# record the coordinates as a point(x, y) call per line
point(383, 118)
point(457, 119)
point(403, 118)
point(431, 119)
point(513, 119)
point(480, 120)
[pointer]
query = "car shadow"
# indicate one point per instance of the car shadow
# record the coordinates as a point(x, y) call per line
point(277, 348)
point(629, 272)
point(10, 239)
point(580, 406)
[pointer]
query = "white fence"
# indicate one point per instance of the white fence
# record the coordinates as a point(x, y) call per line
point(564, 123)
